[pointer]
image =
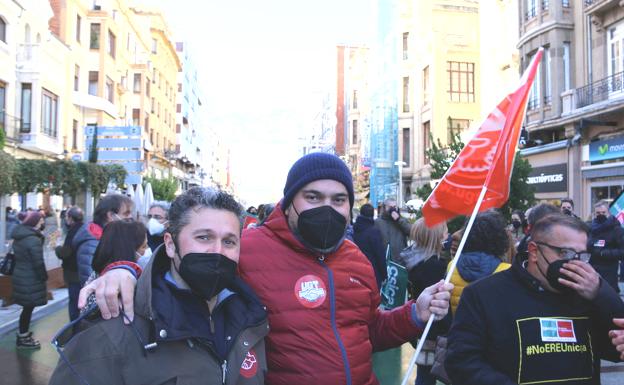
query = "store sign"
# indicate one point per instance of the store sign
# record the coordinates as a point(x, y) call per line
point(606, 149)
point(549, 178)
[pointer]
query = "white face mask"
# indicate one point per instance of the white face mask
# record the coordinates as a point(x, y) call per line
point(142, 260)
point(154, 227)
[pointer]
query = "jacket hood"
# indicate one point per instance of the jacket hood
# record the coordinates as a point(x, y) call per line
point(277, 224)
point(363, 223)
point(21, 232)
point(88, 231)
point(474, 265)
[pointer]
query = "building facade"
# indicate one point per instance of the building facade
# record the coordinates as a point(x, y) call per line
point(575, 115)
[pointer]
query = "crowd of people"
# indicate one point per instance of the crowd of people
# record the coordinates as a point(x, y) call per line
point(202, 290)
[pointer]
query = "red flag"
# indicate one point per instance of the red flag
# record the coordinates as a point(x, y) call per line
point(487, 159)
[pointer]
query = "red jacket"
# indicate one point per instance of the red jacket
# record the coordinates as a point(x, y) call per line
point(323, 313)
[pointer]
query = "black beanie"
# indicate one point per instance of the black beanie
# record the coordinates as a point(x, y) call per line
point(316, 166)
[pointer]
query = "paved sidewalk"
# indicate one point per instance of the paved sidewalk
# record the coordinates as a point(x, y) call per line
point(9, 316)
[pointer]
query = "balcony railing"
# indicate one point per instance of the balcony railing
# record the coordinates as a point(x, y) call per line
point(600, 90)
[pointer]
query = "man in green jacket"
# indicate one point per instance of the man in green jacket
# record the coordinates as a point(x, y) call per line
point(394, 228)
point(196, 321)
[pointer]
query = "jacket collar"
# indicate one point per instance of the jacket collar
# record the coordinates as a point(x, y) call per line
point(277, 223)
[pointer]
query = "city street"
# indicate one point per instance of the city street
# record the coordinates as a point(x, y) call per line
point(35, 367)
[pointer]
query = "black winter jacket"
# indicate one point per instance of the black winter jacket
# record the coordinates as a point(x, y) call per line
point(368, 238)
point(30, 276)
point(606, 244)
point(508, 330)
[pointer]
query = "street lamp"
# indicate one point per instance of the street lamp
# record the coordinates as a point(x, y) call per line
point(400, 164)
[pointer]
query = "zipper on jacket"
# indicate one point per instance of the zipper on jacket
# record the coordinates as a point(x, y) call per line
point(332, 307)
point(224, 370)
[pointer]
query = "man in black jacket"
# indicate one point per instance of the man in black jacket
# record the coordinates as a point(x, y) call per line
point(73, 221)
point(606, 244)
point(544, 320)
point(368, 239)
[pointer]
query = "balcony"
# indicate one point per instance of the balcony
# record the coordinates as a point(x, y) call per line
point(609, 88)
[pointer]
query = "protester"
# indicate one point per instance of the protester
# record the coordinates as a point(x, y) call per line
point(368, 238)
point(251, 217)
point(326, 332)
point(196, 321)
point(533, 215)
point(264, 213)
point(157, 221)
point(73, 222)
point(606, 244)
point(545, 320)
point(30, 275)
point(394, 228)
point(567, 207)
point(482, 255)
point(518, 227)
point(110, 208)
point(11, 222)
point(426, 267)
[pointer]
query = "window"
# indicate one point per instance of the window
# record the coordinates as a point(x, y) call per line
point(78, 23)
point(548, 81)
point(179, 87)
point(2, 106)
point(456, 126)
point(76, 78)
point(545, 5)
point(178, 108)
point(407, 139)
point(405, 44)
point(460, 82)
point(137, 84)
point(136, 117)
point(531, 10)
point(94, 43)
point(426, 140)
point(354, 132)
point(49, 103)
point(147, 87)
point(153, 106)
point(109, 92)
point(75, 135)
point(111, 44)
point(355, 100)
point(154, 46)
point(406, 107)
point(26, 106)
point(93, 83)
point(534, 94)
point(566, 65)
point(565, 3)
point(2, 30)
point(426, 85)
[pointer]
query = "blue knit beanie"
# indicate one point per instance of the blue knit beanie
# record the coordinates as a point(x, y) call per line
point(316, 166)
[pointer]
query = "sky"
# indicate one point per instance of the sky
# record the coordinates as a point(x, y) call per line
point(264, 67)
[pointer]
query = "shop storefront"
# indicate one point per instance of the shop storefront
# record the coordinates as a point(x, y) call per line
point(603, 177)
point(550, 173)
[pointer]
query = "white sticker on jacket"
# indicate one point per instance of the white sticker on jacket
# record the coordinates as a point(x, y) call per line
point(557, 330)
point(310, 291)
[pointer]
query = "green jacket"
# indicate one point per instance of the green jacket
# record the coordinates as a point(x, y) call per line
point(110, 352)
point(395, 233)
point(30, 276)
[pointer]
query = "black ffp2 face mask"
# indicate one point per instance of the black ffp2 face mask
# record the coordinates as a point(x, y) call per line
point(553, 273)
point(321, 227)
point(207, 273)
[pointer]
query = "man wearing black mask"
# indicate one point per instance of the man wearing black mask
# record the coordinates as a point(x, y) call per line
point(73, 221)
point(606, 244)
point(196, 321)
point(319, 289)
point(567, 207)
point(551, 314)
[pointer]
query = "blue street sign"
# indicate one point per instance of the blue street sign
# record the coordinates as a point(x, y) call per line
point(115, 142)
point(118, 155)
point(134, 179)
point(104, 131)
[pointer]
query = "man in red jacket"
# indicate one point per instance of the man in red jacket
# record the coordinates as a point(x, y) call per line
point(319, 288)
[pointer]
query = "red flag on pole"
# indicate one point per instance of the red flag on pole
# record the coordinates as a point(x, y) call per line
point(487, 159)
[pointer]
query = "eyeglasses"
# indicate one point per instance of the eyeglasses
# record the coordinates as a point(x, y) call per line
point(567, 254)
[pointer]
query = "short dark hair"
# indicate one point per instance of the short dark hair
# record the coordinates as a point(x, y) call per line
point(541, 230)
point(488, 234)
point(567, 200)
point(75, 213)
point(520, 215)
point(367, 210)
point(120, 241)
point(540, 211)
point(195, 199)
point(110, 203)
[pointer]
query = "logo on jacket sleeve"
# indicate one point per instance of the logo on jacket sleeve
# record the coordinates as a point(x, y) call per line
point(557, 330)
point(310, 291)
point(249, 367)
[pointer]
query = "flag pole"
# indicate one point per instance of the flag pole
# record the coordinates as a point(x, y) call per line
point(460, 248)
